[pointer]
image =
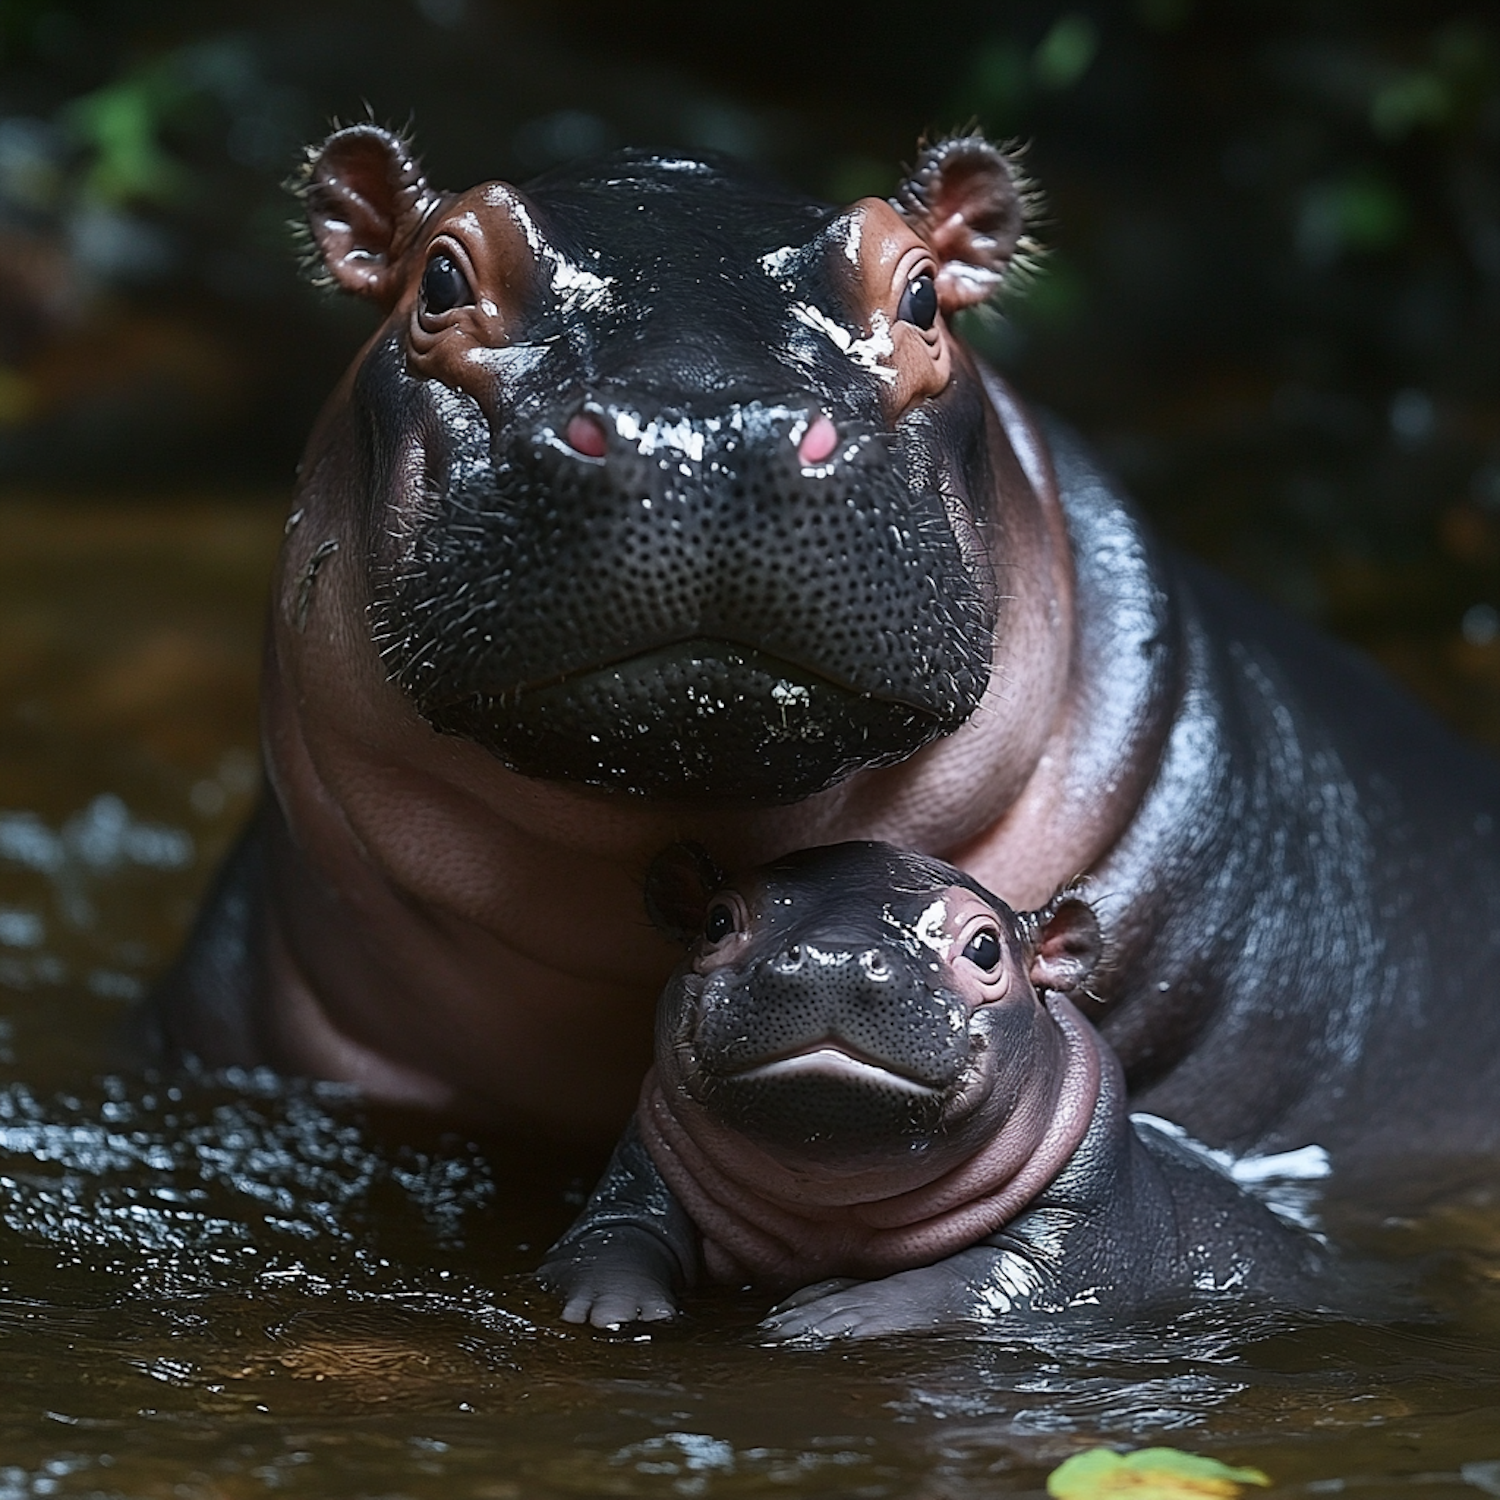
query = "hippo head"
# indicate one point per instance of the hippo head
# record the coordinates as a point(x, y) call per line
point(857, 1003)
point(675, 483)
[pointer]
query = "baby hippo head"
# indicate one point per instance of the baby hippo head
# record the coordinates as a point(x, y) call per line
point(858, 1003)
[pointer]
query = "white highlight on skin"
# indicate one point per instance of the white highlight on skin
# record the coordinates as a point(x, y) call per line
point(866, 353)
point(778, 264)
point(689, 441)
point(680, 436)
point(1047, 1231)
point(931, 928)
point(828, 959)
point(789, 695)
point(508, 360)
point(1280, 1180)
point(852, 235)
point(585, 290)
point(1011, 1280)
point(497, 195)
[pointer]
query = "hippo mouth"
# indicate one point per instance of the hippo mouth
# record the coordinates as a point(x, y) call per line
point(834, 1060)
point(826, 1099)
point(709, 622)
point(698, 719)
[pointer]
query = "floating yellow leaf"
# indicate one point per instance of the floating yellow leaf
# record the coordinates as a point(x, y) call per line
point(1149, 1474)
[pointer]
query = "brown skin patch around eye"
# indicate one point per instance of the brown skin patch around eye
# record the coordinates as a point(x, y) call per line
point(481, 234)
point(891, 254)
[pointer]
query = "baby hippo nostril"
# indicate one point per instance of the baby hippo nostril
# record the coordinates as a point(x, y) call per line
point(818, 442)
point(872, 961)
point(585, 434)
point(789, 961)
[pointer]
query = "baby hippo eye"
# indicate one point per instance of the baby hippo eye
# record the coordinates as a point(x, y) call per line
point(919, 303)
point(444, 285)
point(983, 950)
point(719, 922)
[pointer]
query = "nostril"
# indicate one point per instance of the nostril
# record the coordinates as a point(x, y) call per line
point(818, 442)
point(791, 959)
point(585, 435)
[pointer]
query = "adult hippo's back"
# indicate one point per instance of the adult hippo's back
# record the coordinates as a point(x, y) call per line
point(664, 505)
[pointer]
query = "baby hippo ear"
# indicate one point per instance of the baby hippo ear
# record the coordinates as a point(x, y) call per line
point(366, 197)
point(679, 883)
point(1067, 945)
point(969, 201)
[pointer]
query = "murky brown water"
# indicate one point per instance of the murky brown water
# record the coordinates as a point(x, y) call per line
point(241, 1286)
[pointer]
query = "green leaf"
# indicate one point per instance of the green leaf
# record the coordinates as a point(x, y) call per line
point(1148, 1474)
point(120, 124)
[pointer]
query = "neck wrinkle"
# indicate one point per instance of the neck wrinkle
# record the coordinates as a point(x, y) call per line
point(778, 1241)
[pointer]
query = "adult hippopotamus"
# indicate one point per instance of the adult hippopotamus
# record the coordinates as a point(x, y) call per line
point(869, 1066)
point(663, 505)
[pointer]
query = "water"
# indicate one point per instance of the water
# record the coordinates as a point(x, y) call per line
point(238, 1286)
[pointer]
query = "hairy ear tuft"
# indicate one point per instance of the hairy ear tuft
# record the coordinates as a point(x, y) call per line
point(1065, 941)
point(970, 201)
point(365, 198)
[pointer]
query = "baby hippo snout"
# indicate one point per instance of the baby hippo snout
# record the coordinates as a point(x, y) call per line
point(830, 1042)
point(876, 1004)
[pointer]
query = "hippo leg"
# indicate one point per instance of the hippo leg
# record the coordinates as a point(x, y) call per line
point(1136, 1221)
point(207, 1006)
point(630, 1252)
point(980, 1284)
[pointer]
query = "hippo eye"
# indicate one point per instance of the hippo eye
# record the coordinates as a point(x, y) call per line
point(983, 950)
point(719, 922)
point(919, 303)
point(444, 286)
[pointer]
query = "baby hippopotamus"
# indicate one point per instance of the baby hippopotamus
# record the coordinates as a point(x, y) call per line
point(871, 1085)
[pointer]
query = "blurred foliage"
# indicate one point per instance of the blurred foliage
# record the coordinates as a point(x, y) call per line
point(1273, 297)
point(119, 126)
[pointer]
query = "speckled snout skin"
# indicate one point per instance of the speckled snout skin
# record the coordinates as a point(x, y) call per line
point(872, 1090)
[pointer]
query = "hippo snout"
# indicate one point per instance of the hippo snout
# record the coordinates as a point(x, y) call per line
point(747, 600)
point(830, 1047)
point(862, 1002)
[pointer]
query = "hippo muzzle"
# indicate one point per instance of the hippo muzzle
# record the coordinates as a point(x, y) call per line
point(828, 1045)
point(686, 605)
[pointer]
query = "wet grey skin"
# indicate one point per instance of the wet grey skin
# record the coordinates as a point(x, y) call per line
point(663, 503)
point(829, 964)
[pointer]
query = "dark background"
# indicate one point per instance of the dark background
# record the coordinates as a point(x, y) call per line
point(1272, 298)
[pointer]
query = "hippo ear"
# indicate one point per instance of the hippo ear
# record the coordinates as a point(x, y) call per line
point(970, 202)
point(366, 197)
point(678, 884)
point(1067, 946)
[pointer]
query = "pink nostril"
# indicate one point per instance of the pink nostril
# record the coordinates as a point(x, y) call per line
point(818, 442)
point(585, 435)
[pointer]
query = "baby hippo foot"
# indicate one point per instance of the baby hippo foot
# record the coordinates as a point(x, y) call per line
point(612, 1277)
point(959, 1290)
